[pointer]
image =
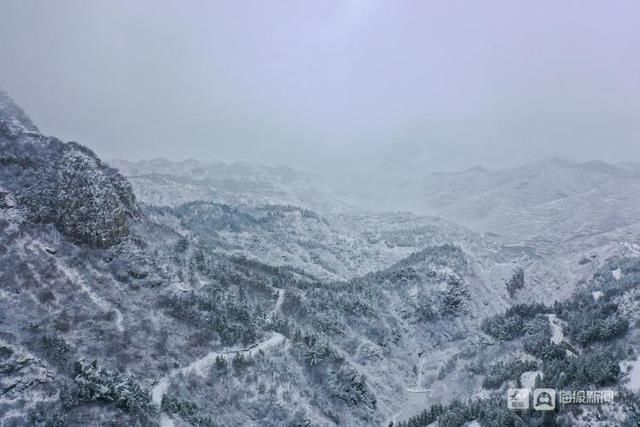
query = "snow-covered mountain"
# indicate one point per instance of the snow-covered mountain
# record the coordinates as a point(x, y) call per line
point(162, 182)
point(547, 200)
point(211, 294)
point(64, 184)
point(549, 204)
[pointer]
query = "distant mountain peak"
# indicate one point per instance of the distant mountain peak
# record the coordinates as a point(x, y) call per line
point(13, 120)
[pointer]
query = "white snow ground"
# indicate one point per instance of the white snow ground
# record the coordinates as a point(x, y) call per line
point(201, 366)
point(634, 376)
point(557, 336)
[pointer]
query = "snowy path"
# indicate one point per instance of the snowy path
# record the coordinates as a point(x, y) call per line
point(202, 365)
point(417, 399)
point(77, 279)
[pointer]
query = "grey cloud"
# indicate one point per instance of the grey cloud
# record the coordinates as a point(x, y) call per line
point(331, 86)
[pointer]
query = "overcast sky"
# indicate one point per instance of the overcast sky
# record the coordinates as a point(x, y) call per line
point(328, 85)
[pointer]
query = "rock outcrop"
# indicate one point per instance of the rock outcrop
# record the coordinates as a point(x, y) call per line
point(65, 184)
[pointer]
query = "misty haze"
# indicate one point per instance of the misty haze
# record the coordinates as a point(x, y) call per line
point(321, 213)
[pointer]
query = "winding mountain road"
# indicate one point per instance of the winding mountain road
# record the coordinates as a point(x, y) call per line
point(201, 366)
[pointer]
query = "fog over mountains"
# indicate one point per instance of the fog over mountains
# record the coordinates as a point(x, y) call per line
point(196, 293)
point(544, 201)
point(321, 213)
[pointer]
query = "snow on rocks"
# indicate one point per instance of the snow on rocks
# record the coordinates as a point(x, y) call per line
point(617, 274)
point(633, 370)
point(557, 336)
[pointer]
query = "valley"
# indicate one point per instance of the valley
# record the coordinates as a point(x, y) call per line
point(191, 293)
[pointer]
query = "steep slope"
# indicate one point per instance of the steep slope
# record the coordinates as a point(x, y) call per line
point(587, 342)
point(64, 184)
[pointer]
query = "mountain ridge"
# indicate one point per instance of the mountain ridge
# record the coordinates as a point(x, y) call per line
point(65, 184)
point(239, 304)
